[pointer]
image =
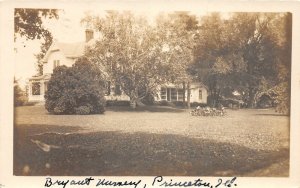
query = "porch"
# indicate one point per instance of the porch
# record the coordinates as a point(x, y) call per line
point(37, 87)
point(173, 93)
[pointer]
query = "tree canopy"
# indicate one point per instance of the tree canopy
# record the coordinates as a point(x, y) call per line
point(29, 22)
point(245, 53)
point(137, 55)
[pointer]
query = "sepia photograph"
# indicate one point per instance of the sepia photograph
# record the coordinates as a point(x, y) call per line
point(137, 93)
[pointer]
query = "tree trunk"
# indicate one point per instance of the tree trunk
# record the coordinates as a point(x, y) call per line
point(183, 99)
point(133, 98)
point(251, 98)
point(188, 95)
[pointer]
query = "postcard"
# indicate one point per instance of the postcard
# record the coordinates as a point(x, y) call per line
point(149, 94)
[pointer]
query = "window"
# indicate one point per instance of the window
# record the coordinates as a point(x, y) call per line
point(118, 90)
point(163, 93)
point(36, 88)
point(56, 64)
point(200, 94)
point(173, 94)
point(180, 94)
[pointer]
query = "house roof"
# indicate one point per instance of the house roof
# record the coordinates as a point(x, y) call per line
point(40, 77)
point(70, 50)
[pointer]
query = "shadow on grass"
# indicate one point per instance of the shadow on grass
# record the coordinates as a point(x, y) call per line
point(33, 129)
point(279, 115)
point(134, 154)
point(40, 110)
point(145, 109)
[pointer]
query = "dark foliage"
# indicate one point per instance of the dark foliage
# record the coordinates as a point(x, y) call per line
point(149, 98)
point(166, 103)
point(249, 53)
point(180, 104)
point(265, 101)
point(76, 90)
point(195, 104)
point(29, 23)
point(20, 97)
point(117, 103)
point(83, 110)
point(48, 40)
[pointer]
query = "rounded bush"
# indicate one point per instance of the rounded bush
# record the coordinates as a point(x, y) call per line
point(82, 110)
point(76, 90)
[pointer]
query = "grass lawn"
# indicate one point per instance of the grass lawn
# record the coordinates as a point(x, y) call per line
point(151, 141)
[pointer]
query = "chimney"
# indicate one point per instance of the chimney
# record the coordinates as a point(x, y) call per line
point(89, 34)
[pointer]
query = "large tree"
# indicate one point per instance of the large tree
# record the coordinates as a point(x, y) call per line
point(48, 39)
point(261, 51)
point(281, 33)
point(210, 46)
point(135, 54)
point(178, 31)
point(29, 24)
point(241, 53)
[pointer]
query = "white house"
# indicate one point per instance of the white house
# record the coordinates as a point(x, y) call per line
point(67, 53)
point(172, 92)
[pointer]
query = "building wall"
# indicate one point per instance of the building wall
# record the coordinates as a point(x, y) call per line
point(123, 97)
point(56, 55)
point(194, 95)
point(36, 98)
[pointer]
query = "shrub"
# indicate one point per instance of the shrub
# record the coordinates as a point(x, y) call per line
point(20, 101)
point(163, 103)
point(282, 97)
point(76, 90)
point(178, 103)
point(166, 103)
point(195, 104)
point(148, 99)
point(265, 101)
point(82, 110)
point(117, 103)
point(20, 97)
